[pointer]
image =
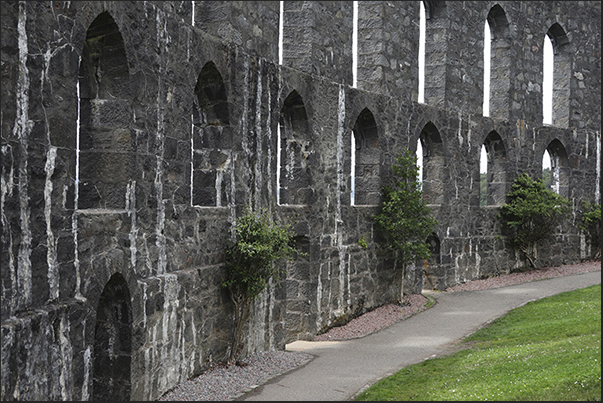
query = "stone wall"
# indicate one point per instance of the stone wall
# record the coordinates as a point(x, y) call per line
point(134, 134)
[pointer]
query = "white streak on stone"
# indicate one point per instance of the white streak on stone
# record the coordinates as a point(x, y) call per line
point(143, 286)
point(469, 134)
point(51, 242)
point(74, 217)
point(192, 157)
point(66, 359)
point(244, 123)
point(319, 298)
point(349, 300)
point(342, 270)
point(459, 133)
point(340, 162)
point(131, 209)
point(6, 186)
point(269, 147)
point(258, 133)
point(87, 367)
point(162, 41)
point(22, 289)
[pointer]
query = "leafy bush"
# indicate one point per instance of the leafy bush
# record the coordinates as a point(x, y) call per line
point(591, 225)
point(531, 214)
point(405, 219)
point(250, 264)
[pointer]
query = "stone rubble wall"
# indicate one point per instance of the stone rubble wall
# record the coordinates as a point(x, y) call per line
point(176, 114)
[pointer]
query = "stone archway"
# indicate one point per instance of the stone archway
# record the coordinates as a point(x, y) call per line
point(113, 342)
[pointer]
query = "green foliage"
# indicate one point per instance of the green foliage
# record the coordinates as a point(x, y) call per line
point(590, 223)
point(404, 219)
point(362, 243)
point(546, 350)
point(531, 214)
point(251, 258)
point(547, 178)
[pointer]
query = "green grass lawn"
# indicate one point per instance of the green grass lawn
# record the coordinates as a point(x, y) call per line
point(548, 349)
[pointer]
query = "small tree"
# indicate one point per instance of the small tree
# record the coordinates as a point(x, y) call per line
point(590, 223)
point(531, 214)
point(405, 219)
point(251, 260)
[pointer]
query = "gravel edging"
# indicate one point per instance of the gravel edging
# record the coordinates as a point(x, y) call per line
point(223, 383)
point(377, 319)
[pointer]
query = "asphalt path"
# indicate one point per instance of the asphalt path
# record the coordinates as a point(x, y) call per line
point(341, 369)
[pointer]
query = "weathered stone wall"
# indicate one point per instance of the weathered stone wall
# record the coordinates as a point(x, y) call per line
point(178, 109)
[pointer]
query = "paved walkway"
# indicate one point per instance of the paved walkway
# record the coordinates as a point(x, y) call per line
point(341, 369)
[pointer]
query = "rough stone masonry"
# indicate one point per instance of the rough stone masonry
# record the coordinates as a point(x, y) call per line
point(134, 134)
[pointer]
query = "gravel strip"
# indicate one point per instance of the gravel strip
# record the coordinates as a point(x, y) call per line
point(376, 319)
point(533, 275)
point(222, 383)
point(226, 383)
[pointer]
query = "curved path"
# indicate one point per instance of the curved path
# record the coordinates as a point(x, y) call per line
point(341, 369)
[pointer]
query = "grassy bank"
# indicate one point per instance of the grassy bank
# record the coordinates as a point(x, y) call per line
point(546, 350)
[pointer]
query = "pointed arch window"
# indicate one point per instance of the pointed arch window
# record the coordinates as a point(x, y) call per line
point(365, 182)
point(497, 61)
point(113, 343)
point(105, 144)
point(432, 164)
point(422, 19)
point(556, 77)
point(211, 141)
point(294, 153)
point(547, 81)
point(483, 176)
point(487, 72)
point(435, 48)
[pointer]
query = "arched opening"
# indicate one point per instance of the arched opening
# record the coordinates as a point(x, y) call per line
point(111, 378)
point(547, 175)
point(432, 164)
point(105, 143)
point(421, 92)
point(487, 52)
point(294, 153)
point(419, 155)
point(435, 50)
point(559, 168)
point(547, 81)
point(483, 176)
point(496, 176)
point(556, 77)
point(366, 161)
point(497, 61)
point(211, 140)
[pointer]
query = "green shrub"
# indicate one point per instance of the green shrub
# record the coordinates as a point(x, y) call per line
point(405, 219)
point(251, 259)
point(590, 223)
point(531, 214)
